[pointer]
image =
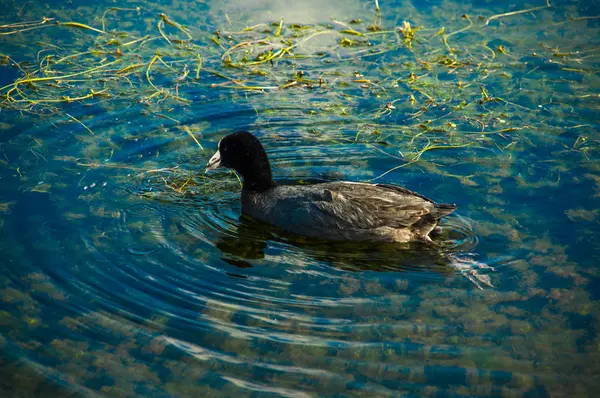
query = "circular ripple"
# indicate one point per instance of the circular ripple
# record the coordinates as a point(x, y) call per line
point(143, 250)
point(142, 210)
point(183, 275)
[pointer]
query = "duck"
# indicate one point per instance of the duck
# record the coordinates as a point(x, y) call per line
point(342, 211)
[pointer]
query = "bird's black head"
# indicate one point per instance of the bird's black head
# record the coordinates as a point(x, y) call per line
point(244, 153)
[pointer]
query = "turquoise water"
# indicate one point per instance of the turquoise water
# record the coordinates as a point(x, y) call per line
point(126, 271)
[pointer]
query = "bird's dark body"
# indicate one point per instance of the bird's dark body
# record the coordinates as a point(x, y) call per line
point(338, 211)
point(347, 211)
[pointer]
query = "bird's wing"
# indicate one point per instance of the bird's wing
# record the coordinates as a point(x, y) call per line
point(364, 206)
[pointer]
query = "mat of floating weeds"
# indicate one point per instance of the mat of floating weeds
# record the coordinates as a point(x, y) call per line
point(473, 82)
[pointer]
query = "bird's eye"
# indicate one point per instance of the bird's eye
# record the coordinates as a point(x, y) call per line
point(224, 149)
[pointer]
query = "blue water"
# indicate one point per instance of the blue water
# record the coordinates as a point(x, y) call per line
point(127, 271)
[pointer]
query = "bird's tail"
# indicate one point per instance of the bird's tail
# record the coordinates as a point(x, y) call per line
point(443, 209)
point(429, 222)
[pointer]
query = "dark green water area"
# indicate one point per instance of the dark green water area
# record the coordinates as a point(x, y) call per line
point(126, 271)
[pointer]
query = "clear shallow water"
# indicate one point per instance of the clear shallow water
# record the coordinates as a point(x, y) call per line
point(127, 272)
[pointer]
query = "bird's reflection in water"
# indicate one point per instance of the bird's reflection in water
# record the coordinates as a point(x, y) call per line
point(249, 242)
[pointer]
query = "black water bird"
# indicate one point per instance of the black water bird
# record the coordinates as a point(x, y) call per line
point(337, 211)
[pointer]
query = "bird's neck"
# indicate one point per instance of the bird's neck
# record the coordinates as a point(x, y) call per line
point(258, 177)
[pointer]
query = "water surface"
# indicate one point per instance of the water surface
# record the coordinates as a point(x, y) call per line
point(126, 271)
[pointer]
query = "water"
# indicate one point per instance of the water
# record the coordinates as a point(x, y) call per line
point(128, 272)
